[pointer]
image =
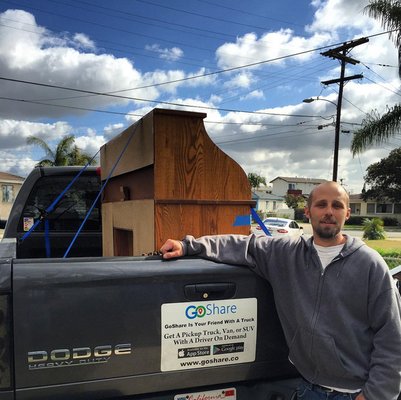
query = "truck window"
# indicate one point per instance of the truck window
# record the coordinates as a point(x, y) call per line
point(70, 211)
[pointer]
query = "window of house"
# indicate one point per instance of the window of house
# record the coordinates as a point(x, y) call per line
point(355, 208)
point(384, 208)
point(291, 186)
point(7, 192)
point(397, 208)
point(371, 209)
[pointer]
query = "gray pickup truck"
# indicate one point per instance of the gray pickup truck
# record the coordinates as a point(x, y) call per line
point(92, 327)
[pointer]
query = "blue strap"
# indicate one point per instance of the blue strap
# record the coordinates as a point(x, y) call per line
point(100, 192)
point(47, 239)
point(256, 217)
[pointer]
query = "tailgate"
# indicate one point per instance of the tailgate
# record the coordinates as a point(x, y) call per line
point(117, 327)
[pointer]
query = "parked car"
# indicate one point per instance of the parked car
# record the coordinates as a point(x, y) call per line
point(280, 227)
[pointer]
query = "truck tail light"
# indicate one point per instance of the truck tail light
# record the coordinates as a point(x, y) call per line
point(282, 231)
point(5, 342)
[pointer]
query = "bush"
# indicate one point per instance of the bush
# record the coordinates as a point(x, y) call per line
point(390, 221)
point(355, 220)
point(358, 220)
point(373, 229)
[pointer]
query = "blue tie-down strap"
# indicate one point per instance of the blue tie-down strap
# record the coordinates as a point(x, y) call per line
point(256, 217)
point(47, 238)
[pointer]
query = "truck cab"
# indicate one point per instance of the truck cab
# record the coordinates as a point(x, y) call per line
point(56, 228)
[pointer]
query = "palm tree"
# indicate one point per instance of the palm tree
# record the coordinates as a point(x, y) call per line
point(378, 129)
point(66, 152)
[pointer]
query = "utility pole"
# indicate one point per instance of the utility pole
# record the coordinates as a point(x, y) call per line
point(340, 53)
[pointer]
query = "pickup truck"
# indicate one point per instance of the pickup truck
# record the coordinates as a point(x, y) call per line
point(92, 327)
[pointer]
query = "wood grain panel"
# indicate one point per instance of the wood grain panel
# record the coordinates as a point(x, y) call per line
point(189, 165)
point(138, 153)
point(176, 221)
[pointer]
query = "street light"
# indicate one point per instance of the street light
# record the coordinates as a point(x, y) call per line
point(337, 131)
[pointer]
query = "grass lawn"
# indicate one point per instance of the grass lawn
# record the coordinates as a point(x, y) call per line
point(387, 247)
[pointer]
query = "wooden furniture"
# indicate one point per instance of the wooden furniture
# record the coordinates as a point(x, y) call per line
point(171, 180)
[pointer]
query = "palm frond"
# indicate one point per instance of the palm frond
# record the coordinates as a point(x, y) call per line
point(376, 129)
point(36, 141)
point(388, 12)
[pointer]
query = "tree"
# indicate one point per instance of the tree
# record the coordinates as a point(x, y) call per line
point(293, 201)
point(384, 178)
point(256, 180)
point(378, 129)
point(65, 153)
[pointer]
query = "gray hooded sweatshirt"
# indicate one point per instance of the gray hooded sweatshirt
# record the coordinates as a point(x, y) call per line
point(342, 324)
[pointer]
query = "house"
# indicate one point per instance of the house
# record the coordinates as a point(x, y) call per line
point(283, 185)
point(10, 185)
point(372, 208)
point(267, 202)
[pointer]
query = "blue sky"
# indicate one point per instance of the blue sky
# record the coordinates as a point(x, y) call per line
point(248, 65)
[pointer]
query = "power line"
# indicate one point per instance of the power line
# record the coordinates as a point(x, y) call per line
point(144, 100)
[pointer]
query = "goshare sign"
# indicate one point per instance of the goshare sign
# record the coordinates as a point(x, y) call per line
point(192, 311)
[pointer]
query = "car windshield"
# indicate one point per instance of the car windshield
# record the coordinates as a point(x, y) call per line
point(274, 222)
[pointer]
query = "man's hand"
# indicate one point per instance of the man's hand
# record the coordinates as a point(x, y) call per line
point(172, 249)
point(360, 397)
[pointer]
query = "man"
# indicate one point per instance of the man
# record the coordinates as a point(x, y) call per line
point(335, 297)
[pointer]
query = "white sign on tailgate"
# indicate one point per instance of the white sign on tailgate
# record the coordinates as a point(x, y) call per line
point(208, 333)
point(220, 394)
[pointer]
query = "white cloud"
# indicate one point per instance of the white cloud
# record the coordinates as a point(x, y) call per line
point(112, 130)
point(241, 79)
point(255, 94)
point(37, 55)
point(13, 133)
point(334, 14)
point(84, 42)
point(172, 54)
point(272, 46)
point(90, 144)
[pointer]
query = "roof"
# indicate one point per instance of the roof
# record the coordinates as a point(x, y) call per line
point(354, 197)
point(261, 194)
point(6, 177)
point(300, 180)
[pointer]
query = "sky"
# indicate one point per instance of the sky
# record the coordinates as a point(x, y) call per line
point(247, 65)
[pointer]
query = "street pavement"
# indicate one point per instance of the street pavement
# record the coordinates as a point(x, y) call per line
point(390, 234)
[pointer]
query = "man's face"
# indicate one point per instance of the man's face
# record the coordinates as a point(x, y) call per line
point(328, 211)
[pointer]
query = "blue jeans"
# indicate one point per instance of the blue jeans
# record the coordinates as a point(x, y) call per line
point(307, 391)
